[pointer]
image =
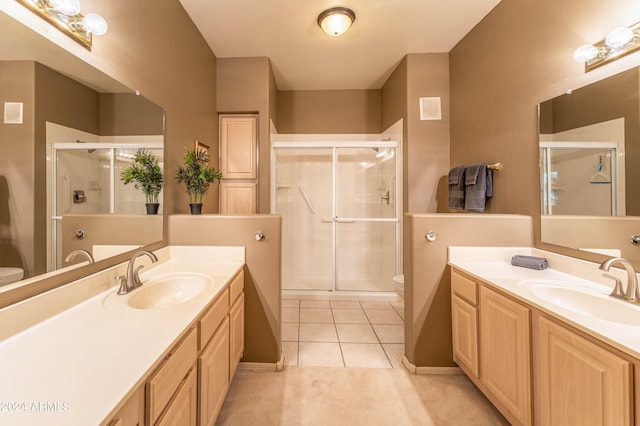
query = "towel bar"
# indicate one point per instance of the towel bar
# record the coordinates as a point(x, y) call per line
point(495, 166)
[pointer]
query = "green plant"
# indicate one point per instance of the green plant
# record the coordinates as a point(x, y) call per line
point(197, 175)
point(146, 173)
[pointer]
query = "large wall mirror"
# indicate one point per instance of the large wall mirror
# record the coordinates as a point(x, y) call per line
point(589, 175)
point(66, 134)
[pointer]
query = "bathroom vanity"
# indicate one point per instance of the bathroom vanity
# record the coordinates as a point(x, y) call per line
point(164, 353)
point(546, 347)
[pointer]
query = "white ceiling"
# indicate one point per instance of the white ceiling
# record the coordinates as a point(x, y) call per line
point(305, 58)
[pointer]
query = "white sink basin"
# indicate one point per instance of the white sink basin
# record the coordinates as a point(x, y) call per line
point(166, 290)
point(593, 301)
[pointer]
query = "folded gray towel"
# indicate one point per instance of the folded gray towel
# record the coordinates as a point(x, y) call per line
point(478, 187)
point(471, 174)
point(531, 262)
point(456, 188)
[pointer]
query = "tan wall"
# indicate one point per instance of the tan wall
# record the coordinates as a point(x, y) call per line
point(16, 168)
point(47, 96)
point(518, 56)
point(427, 141)
point(174, 69)
point(63, 101)
point(128, 114)
point(329, 111)
point(602, 233)
point(394, 108)
point(246, 85)
point(427, 276)
point(104, 229)
point(262, 272)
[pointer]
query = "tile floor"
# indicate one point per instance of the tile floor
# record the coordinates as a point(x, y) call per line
point(329, 333)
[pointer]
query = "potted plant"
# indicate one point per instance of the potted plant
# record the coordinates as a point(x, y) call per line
point(147, 175)
point(197, 176)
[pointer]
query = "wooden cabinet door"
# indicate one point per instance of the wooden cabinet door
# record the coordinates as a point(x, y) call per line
point(579, 382)
point(183, 410)
point(464, 322)
point(132, 412)
point(238, 198)
point(505, 357)
point(236, 316)
point(214, 374)
point(238, 146)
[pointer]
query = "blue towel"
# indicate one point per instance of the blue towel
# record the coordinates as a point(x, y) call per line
point(478, 187)
point(456, 188)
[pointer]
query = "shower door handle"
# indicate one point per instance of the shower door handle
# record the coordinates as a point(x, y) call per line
point(345, 220)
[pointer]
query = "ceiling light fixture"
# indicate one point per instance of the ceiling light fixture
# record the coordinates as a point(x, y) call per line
point(66, 16)
point(336, 21)
point(618, 43)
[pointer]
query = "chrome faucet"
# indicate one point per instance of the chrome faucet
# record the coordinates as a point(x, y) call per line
point(74, 253)
point(631, 294)
point(132, 280)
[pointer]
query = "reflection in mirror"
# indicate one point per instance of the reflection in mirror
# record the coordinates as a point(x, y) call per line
point(589, 143)
point(69, 133)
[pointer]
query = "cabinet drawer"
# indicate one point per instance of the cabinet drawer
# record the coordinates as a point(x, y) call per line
point(236, 286)
point(464, 287)
point(165, 381)
point(212, 319)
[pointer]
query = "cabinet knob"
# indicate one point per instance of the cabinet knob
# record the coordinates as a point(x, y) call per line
point(259, 236)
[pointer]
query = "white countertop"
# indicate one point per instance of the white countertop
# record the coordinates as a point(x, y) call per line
point(492, 265)
point(78, 366)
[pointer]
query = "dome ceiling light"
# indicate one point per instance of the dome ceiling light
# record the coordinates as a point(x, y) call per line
point(619, 42)
point(336, 21)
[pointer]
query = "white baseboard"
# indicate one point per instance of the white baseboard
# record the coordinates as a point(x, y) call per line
point(429, 370)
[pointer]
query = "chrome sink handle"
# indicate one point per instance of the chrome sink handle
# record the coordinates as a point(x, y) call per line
point(631, 293)
point(617, 290)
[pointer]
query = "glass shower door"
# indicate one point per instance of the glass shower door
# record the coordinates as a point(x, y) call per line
point(303, 197)
point(366, 218)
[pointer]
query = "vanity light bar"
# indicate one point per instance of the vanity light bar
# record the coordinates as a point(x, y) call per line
point(618, 43)
point(65, 15)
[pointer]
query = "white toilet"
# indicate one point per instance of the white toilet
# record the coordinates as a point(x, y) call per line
point(10, 275)
point(398, 285)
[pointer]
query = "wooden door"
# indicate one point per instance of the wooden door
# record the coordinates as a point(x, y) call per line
point(214, 374)
point(464, 323)
point(579, 382)
point(505, 357)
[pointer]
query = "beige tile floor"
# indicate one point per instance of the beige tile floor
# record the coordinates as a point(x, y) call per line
point(323, 333)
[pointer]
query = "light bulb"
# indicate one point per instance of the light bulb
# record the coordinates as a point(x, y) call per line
point(68, 7)
point(95, 24)
point(619, 37)
point(585, 53)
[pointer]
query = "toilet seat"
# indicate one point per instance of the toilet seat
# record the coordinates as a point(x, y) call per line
point(398, 285)
point(10, 275)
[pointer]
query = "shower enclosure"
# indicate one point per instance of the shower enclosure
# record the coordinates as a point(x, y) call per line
point(340, 209)
point(85, 179)
point(582, 178)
